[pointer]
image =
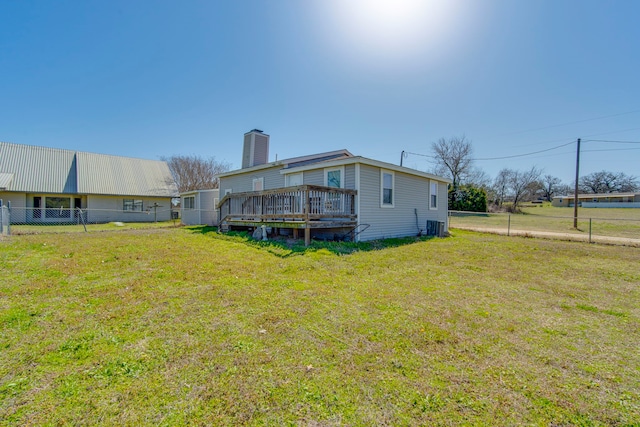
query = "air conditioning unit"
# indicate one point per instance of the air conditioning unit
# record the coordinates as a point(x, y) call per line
point(435, 228)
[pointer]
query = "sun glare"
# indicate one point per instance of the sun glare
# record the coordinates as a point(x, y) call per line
point(392, 31)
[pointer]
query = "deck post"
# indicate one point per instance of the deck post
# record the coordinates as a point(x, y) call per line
point(307, 236)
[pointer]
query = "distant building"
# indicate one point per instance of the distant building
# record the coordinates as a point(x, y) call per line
point(603, 200)
point(51, 185)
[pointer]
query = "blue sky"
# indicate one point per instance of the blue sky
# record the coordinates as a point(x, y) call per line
point(157, 78)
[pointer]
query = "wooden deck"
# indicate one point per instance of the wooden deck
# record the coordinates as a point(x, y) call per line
point(304, 207)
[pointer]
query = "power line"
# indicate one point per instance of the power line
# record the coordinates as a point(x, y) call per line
point(574, 122)
point(614, 131)
point(612, 149)
point(418, 154)
point(526, 154)
point(612, 141)
point(542, 151)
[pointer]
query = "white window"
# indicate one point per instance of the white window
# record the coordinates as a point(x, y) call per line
point(132, 205)
point(189, 202)
point(386, 188)
point(294, 179)
point(258, 184)
point(433, 195)
point(334, 177)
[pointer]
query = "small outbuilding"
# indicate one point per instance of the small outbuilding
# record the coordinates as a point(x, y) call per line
point(198, 207)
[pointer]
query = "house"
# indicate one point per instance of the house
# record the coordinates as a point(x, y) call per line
point(603, 200)
point(199, 207)
point(50, 185)
point(330, 195)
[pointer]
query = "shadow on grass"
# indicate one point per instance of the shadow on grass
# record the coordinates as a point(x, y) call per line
point(201, 229)
point(285, 247)
point(471, 214)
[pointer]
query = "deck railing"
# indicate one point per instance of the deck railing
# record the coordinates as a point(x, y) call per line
point(304, 203)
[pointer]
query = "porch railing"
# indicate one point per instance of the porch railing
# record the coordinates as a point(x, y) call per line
point(303, 203)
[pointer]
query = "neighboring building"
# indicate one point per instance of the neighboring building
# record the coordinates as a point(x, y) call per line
point(48, 185)
point(199, 207)
point(603, 200)
point(331, 194)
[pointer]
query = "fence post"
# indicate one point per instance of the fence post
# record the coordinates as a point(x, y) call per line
point(5, 218)
point(509, 225)
point(590, 230)
point(81, 218)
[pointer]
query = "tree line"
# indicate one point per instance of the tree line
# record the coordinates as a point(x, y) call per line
point(472, 189)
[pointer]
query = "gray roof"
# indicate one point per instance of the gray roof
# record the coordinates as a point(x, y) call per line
point(52, 170)
point(294, 161)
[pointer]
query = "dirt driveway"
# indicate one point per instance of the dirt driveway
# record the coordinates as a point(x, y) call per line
point(609, 240)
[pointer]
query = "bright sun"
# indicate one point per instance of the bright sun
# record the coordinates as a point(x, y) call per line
point(389, 30)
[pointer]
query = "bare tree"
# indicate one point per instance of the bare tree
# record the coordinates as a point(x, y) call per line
point(565, 189)
point(608, 182)
point(501, 186)
point(453, 158)
point(194, 172)
point(515, 185)
point(522, 184)
point(478, 178)
point(550, 185)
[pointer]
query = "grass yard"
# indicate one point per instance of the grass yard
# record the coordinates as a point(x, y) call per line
point(605, 222)
point(79, 228)
point(181, 326)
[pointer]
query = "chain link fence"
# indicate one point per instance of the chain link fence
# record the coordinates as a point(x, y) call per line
point(22, 220)
point(613, 226)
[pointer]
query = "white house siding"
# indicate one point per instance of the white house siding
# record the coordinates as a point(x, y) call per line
point(243, 182)
point(411, 193)
point(190, 216)
point(316, 177)
point(350, 177)
point(19, 202)
point(110, 208)
point(610, 205)
point(204, 211)
point(209, 213)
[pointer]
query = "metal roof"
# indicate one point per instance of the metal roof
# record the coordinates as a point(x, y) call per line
point(5, 180)
point(53, 170)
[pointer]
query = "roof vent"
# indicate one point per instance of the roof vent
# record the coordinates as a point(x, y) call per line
point(256, 149)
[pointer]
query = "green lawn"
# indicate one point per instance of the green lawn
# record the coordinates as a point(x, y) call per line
point(180, 326)
point(604, 222)
point(79, 228)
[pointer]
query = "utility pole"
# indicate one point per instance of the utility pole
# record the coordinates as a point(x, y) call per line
point(575, 195)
